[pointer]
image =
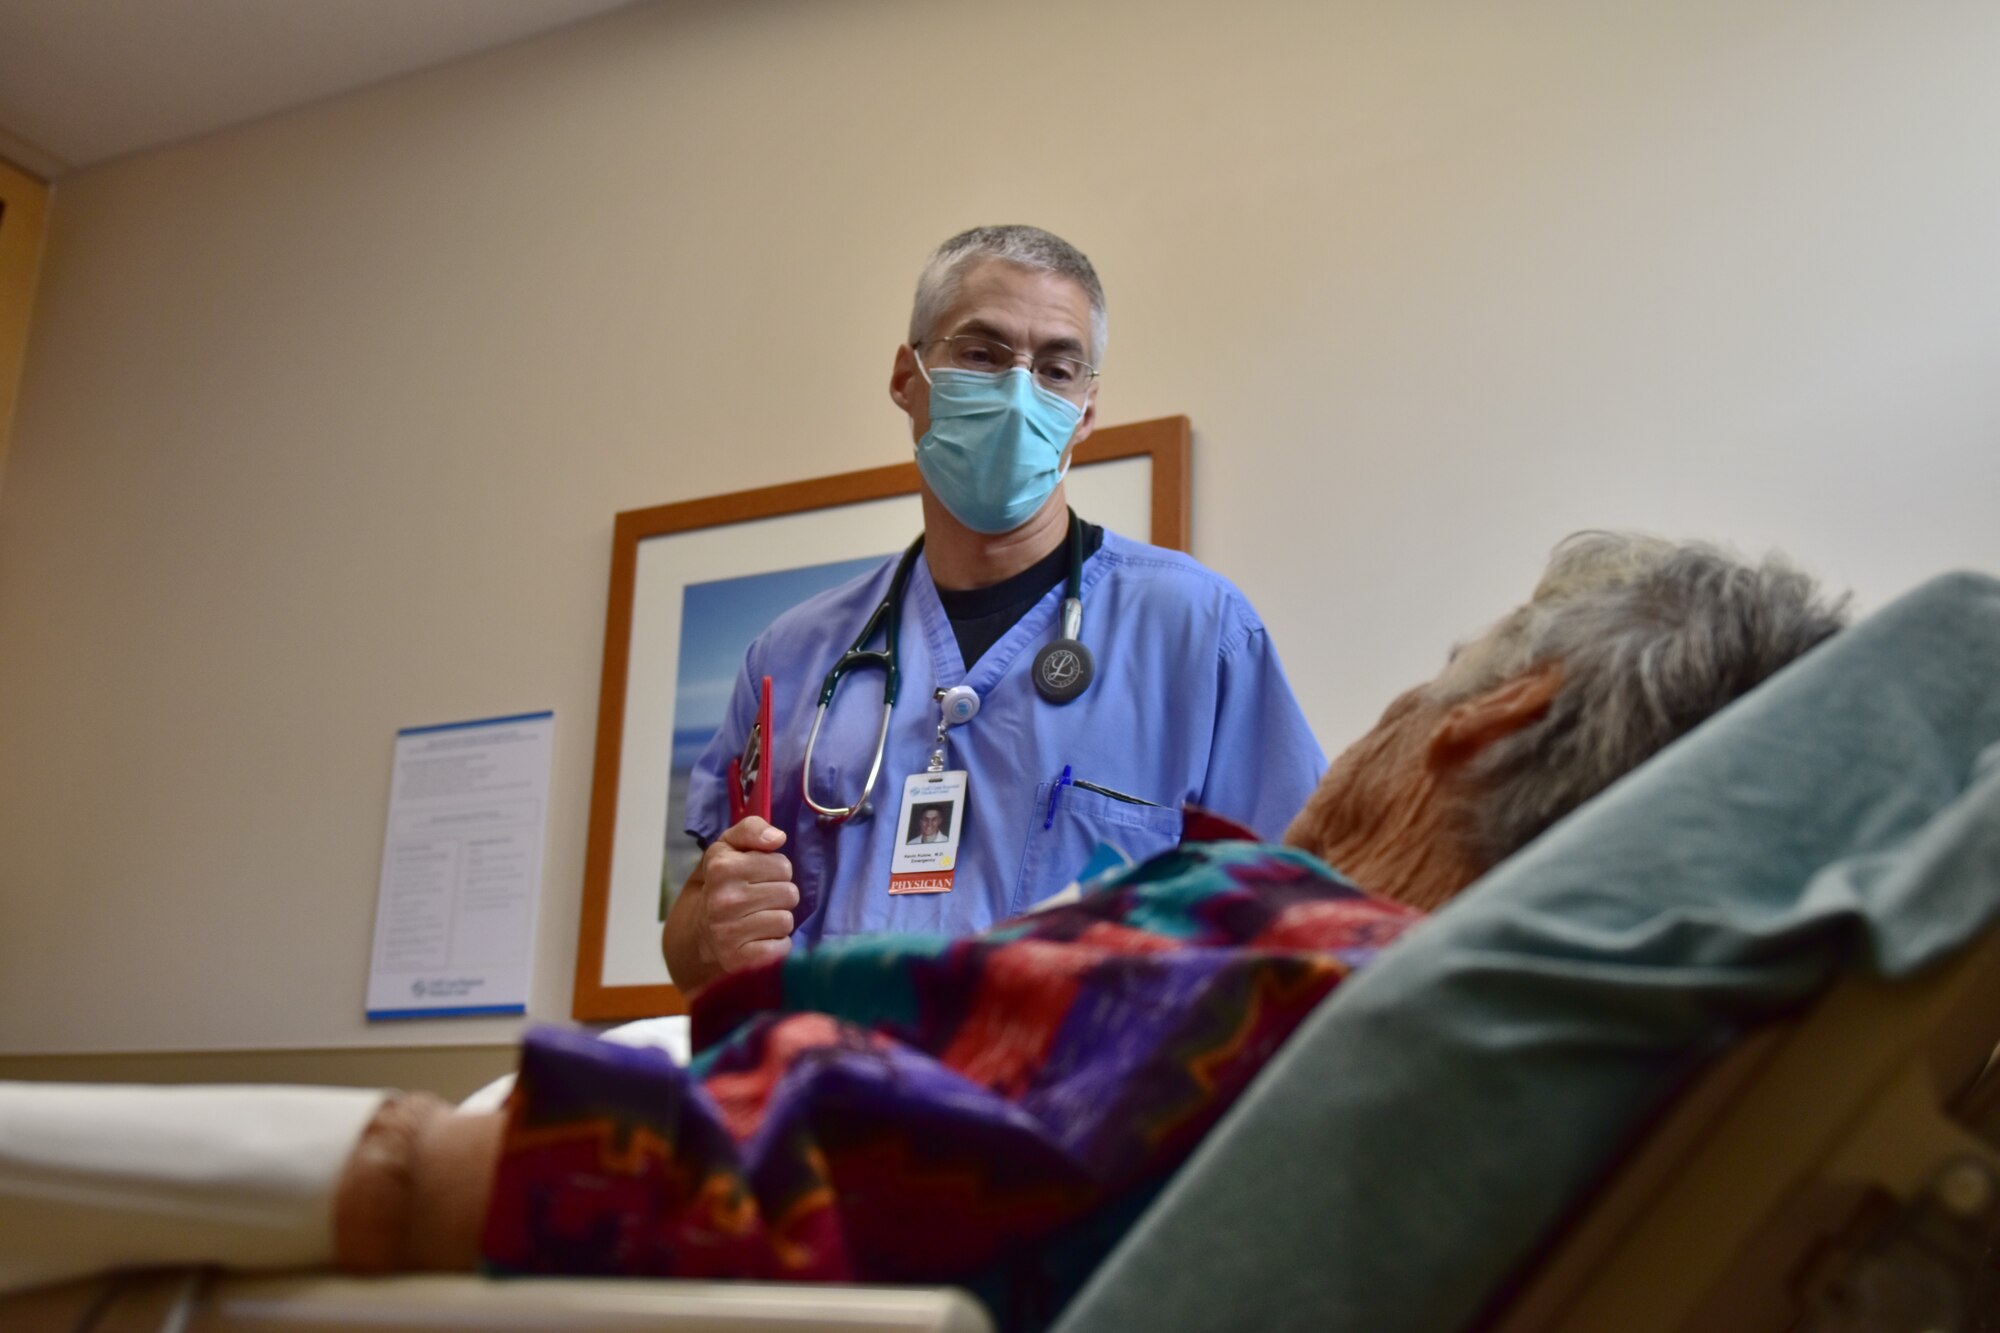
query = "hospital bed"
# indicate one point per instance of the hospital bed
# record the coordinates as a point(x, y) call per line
point(1708, 1055)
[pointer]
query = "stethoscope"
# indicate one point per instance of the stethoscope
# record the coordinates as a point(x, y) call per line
point(1062, 670)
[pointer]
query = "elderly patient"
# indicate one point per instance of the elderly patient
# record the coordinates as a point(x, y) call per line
point(996, 1110)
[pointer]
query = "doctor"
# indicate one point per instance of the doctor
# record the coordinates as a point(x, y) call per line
point(1057, 685)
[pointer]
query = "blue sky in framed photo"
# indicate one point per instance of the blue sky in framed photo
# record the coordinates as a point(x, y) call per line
point(718, 620)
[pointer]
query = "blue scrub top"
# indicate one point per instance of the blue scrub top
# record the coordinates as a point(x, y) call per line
point(1189, 704)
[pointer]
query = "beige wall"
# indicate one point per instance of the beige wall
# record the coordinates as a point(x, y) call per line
point(325, 420)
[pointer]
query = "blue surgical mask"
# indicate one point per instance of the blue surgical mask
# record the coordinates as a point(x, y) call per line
point(994, 452)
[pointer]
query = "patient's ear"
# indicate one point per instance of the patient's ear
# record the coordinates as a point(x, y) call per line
point(1470, 725)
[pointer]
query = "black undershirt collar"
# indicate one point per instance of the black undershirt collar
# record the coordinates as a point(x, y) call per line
point(980, 616)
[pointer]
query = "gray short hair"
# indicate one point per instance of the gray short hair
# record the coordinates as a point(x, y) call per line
point(1653, 636)
point(1029, 247)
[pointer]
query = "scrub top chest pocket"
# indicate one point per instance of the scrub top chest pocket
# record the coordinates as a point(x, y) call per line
point(1081, 819)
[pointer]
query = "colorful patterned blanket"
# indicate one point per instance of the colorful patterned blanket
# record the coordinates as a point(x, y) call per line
point(990, 1110)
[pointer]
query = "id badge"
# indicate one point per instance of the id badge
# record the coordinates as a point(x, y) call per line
point(927, 831)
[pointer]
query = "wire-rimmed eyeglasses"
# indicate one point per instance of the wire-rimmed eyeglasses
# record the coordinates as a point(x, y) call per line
point(1060, 374)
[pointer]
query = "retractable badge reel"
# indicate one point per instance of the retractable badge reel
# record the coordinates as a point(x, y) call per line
point(959, 704)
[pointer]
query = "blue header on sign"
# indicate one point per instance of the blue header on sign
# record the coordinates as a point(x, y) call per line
point(482, 722)
point(471, 1011)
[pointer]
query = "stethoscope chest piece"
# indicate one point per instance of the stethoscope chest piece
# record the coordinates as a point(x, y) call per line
point(1063, 671)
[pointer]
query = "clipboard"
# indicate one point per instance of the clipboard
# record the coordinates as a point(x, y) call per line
point(750, 772)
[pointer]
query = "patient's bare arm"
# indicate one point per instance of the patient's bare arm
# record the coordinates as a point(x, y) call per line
point(412, 1196)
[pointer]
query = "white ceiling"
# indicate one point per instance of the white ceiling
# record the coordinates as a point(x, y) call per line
point(83, 81)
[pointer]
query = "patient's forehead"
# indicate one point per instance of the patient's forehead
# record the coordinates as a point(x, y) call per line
point(1474, 663)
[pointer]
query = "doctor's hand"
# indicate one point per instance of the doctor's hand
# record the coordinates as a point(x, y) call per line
point(735, 910)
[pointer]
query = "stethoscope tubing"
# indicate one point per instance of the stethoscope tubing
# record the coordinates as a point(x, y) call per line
point(887, 616)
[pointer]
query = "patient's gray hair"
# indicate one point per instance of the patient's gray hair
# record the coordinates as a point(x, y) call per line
point(1653, 636)
point(1029, 247)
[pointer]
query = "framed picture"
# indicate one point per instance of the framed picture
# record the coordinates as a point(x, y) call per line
point(691, 585)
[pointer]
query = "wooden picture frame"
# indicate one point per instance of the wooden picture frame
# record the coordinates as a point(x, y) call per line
point(24, 210)
point(1124, 476)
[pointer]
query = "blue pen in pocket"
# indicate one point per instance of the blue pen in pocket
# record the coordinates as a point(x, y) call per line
point(1055, 794)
